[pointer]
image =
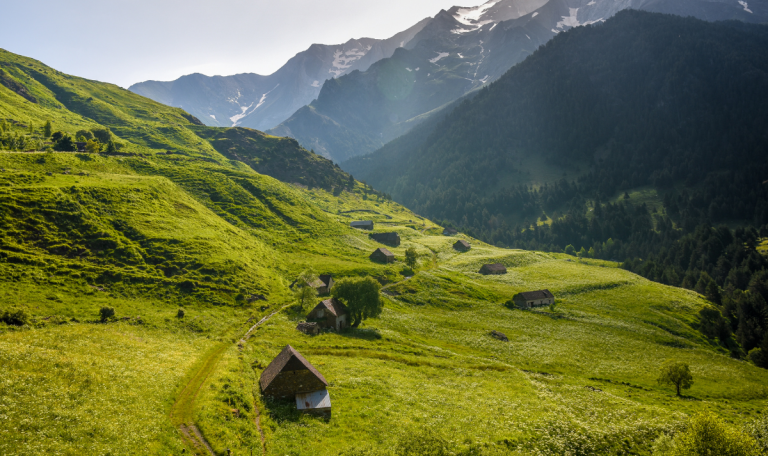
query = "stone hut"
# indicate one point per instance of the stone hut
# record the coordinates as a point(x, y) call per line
point(528, 299)
point(363, 224)
point(290, 374)
point(330, 314)
point(308, 328)
point(80, 146)
point(392, 239)
point(489, 269)
point(462, 245)
point(382, 255)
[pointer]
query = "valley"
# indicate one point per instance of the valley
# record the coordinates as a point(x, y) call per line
point(155, 261)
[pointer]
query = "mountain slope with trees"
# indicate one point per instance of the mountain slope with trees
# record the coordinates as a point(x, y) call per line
point(644, 101)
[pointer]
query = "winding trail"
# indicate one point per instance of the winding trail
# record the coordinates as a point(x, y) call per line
point(182, 411)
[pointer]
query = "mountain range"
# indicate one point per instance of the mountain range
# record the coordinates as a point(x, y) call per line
point(261, 102)
point(380, 96)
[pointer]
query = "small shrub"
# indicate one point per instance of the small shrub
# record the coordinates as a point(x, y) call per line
point(106, 313)
point(15, 316)
point(180, 313)
point(709, 435)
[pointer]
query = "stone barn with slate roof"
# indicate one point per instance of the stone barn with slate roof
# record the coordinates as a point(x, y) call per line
point(290, 374)
point(392, 239)
point(382, 255)
point(490, 269)
point(329, 314)
point(462, 245)
point(528, 299)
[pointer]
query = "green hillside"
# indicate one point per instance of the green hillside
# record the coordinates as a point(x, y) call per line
point(192, 249)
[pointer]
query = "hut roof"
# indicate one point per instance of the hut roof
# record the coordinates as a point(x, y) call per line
point(326, 278)
point(333, 306)
point(538, 294)
point(497, 267)
point(288, 359)
point(384, 251)
point(462, 243)
point(361, 223)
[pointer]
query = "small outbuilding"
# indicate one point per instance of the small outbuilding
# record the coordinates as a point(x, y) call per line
point(308, 328)
point(329, 314)
point(392, 238)
point(322, 284)
point(362, 224)
point(462, 246)
point(449, 232)
point(493, 269)
point(80, 146)
point(538, 298)
point(382, 255)
point(290, 374)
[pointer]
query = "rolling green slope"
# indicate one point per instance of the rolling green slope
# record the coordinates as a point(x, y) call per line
point(192, 249)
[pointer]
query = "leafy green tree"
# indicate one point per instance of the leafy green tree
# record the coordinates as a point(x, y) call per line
point(47, 129)
point(591, 252)
point(361, 296)
point(303, 291)
point(111, 147)
point(105, 313)
point(676, 374)
point(582, 253)
point(65, 143)
point(410, 257)
point(304, 294)
point(708, 434)
point(85, 134)
point(570, 250)
point(92, 146)
point(104, 135)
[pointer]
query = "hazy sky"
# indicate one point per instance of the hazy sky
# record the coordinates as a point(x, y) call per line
point(128, 41)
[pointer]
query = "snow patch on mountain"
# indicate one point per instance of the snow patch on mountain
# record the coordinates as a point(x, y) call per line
point(746, 6)
point(212, 116)
point(244, 109)
point(236, 118)
point(440, 55)
point(535, 14)
point(342, 60)
point(315, 84)
point(593, 2)
point(569, 21)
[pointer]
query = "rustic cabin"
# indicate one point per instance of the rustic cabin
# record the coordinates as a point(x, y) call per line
point(382, 255)
point(493, 269)
point(322, 284)
point(462, 245)
point(80, 146)
point(449, 232)
point(329, 314)
point(392, 239)
point(362, 225)
point(528, 299)
point(327, 280)
point(290, 374)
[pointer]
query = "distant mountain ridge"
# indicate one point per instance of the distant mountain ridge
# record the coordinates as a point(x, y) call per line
point(457, 52)
point(261, 102)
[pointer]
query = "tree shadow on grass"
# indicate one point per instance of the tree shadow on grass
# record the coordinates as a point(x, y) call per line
point(364, 334)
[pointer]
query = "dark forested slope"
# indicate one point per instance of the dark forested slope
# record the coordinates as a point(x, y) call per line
point(663, 104)
point(642, 99)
